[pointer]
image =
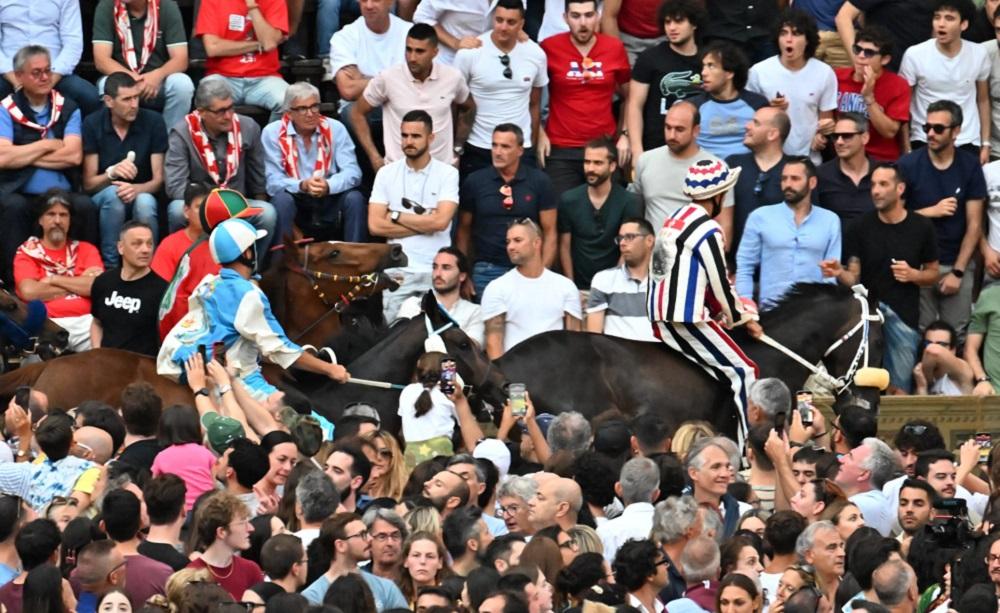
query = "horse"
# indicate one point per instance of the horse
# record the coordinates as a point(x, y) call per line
point(312, 285)
point(591, 373)
point(26, 330)
point(102, 374)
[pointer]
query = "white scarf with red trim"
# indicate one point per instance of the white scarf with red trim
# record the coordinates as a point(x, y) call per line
point(234, 146)
point(290, 153)
point(34, 249)
point(124, 32)
point(57, 102)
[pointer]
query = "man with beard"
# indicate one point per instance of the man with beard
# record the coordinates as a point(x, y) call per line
point(388, 531)
point(349, 468)
point(447, 491)
point(785, 242)
point(449, 274)
point(529, 299)
point(126, 300)
point(412, 204)
point(617, 298)
point(346, 541)
point(893, 253)
point(916, 506)
point(589, 216)
point(58, 271)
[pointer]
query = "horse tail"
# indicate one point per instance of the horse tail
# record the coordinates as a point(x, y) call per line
point(25, 375)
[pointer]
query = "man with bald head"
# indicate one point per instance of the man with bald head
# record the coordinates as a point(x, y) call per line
point(94, 444)
point(660, 172)
point(557, 502)
point(475, 476)
point(446, 491)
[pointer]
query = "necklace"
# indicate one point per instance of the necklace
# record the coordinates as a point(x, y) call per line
point(232, 566)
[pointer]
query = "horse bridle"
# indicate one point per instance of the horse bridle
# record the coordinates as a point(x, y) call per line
point(367, 281)
point(839, 384)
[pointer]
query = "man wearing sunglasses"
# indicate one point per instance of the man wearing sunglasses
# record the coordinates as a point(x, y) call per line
point(871, 89)
point(945, 183)
point(844, 184)
point(948, 68)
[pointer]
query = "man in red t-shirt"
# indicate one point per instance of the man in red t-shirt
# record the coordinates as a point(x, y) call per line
point(59, 271)
point(241, 40)
point(586, 69)
point(879, 94)
point(183, 259)
point(224, 526)
point(636, 22)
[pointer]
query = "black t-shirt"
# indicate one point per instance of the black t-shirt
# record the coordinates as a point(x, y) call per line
point(671, 77)
point(908, 22)
point(128, 310)
point(163, 552)
point(141, 454)
point(876, 244)
point(267, 590)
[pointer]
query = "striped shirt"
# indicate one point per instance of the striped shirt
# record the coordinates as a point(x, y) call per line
point(622, 298)
point(688, 282)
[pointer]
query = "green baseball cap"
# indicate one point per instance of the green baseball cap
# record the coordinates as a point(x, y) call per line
point(221, 431)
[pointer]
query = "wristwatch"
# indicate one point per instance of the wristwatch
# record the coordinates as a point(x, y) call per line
point(394, 216)
point(958, 272)
point(202, 392)
point(984, 379)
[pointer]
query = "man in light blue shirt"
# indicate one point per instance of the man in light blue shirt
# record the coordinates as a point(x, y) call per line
point(312, 171)
point(787, 241)
point(55, 25)
point(348, 536)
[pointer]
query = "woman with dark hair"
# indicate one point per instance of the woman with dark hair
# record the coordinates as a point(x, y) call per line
point(350, 594)
point(183, 454)
point(814, 497)
point(738, 593)
point(45, 591)
point(583, 574)
point(202, 597)
point(289, 602)
point(544, 553)
point(425, 563)
point(264, 527)
point(282, 456)
point(741, 554)
point(114, 601)
point(845, 515)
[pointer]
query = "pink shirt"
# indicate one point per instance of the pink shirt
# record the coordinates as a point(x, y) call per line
point(397, 92)
point(192, 463)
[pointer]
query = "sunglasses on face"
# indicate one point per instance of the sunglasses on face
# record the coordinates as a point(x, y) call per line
point(937, 128)
point(864, 51)
point(844, 135)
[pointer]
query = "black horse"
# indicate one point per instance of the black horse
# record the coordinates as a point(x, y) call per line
point(392, 360)
point(591, 373)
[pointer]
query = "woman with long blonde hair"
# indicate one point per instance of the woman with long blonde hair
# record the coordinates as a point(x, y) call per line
point(389, 472)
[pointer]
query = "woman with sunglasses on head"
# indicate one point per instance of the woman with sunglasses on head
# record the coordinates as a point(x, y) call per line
point(389, 472)
point(815, 496)
point(429, 408)
point(798, 576)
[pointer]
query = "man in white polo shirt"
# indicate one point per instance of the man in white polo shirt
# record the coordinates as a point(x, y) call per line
point(617, 302)
point(412, 204)
point(506, 76)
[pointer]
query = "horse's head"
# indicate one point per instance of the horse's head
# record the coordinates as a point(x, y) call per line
point(338, 258)
point(22, 324)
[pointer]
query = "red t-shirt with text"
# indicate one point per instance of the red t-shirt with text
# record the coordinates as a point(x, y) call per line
point(581, 88)
point(891, 92)
point(230, 20)
point(72, 305)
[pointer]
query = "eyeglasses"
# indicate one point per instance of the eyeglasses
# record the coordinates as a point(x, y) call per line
point(382, 537)
point(312, 108)
point(508, 196)
point(864, 51)
point(385, 453)
point(223, 111)
point(628, 238)
point(363, 535)
point(38, 73)
point(990, 558)
point(758, 186)
point(844, 135)
point(662, 562)
point(63, 501)
point(513, 509)
point(915, 429)
point(507, 72)
point(413, 206)
point(937, 128)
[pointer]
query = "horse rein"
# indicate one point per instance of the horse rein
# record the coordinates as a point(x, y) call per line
point(839, 384)
point(368, 281)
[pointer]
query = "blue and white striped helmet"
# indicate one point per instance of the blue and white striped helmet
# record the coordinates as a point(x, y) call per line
point(231, 238)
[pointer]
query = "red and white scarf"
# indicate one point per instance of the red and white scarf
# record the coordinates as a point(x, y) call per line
point(34, 249)
point(290, 153)
point(57, 101)
point(234, 146)
point(124, 32)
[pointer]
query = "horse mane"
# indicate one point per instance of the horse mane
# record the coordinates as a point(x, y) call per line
point(802, 293)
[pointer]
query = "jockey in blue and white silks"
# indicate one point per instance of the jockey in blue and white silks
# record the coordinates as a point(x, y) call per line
point(689, 288)
point(229, 308)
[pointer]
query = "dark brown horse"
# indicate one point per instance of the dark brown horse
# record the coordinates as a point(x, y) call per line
point(315, 282)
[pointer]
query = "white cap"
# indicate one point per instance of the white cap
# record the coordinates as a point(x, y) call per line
point(495, 451)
